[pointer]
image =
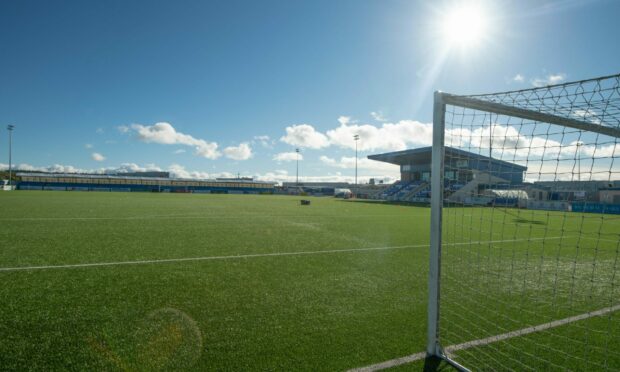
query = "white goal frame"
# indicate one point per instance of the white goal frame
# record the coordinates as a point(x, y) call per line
point(441, 100)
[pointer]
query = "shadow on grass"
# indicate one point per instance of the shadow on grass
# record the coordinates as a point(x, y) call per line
point(520, 219)
point(385, 202)
point(434, 364)
point(531, 222)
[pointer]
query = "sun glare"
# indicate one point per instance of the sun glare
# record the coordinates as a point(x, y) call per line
point(465, 25)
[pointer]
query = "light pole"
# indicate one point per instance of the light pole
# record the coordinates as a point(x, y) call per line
point(297, 168)
point(356, 138)
point(10, 129)
point(579, 144)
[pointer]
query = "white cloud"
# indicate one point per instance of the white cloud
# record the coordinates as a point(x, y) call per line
point(506, 141)
point(97, 156)
point(346, 162)
point(283, 176)
point(556, 79)
point(241, 152)
point(344, 120)
point(547, 158)
point(593, 151)
point(287, 156)
point(164, 133)
point(378, 116)
point(56, 168)
point(133, 167)
point(208, 150)
point(304, 135)
point(550, 79)
point(587, 115)
point(518, 78)
point(265, 141)
point(59, 168)
point(99, 131)
point(535, 151)
point(123, 128)
point(176, 170)
point(328, 161)
point(387, 137)
point(88, 146)
point(179, 151)
point(179, 171)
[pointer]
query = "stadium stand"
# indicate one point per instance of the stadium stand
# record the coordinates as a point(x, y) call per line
point(84, 182)
point(479, 180)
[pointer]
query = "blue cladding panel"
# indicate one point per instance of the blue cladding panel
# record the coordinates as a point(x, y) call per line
point(596, 208)
point(143, 188)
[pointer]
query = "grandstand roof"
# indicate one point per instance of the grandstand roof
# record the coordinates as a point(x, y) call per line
point(121, 176)
point(424, 153)
point(316, 184)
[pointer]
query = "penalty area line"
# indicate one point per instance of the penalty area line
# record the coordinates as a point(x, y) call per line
point(205, 258)
point(489, 340)
point(254, 255)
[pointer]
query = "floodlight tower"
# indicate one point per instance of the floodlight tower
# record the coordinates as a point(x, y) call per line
point(297, 168)
point(10, 129)
point(579, 144)
point(356, 138)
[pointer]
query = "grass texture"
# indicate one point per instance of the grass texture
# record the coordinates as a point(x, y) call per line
point(254, 308)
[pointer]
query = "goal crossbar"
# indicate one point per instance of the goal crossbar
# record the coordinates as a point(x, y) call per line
point(501, 109)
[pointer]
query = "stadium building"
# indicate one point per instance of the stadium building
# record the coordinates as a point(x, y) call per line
point(466, 175)
point(313, 188)
point(363, 191)
point(475, 179)
point(145, 182)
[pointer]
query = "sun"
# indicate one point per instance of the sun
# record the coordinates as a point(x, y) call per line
point(465, 25)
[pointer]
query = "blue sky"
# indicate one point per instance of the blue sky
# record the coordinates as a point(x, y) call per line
point(237, 85)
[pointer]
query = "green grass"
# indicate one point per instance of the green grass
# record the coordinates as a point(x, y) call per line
point(319, 311)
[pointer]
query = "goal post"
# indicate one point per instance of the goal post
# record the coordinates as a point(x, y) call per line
point(439, 110)
point(524, 264)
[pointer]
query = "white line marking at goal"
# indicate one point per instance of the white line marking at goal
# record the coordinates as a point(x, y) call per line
point(485, 341)
point(391, 363)
point(206, 258)
point(255, 255)
point(536, 328)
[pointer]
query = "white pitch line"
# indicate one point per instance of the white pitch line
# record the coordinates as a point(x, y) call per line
point(16, 219)
point(255, 255)
point(391, 363)
point(600, 239)
point(536, 328)
point(489, 340)
point(206, 258)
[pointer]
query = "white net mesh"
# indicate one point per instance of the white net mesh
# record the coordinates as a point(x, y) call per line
point(531, 231)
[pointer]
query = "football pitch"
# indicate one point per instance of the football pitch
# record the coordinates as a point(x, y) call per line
point(138, 281)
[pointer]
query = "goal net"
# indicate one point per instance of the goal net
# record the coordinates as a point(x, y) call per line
point(525, 269)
